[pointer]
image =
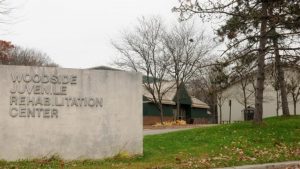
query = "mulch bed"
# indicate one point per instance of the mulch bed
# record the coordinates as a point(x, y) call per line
point(177, 126)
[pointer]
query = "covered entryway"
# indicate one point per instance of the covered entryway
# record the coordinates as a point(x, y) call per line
point(184, 113)
point(248, 113)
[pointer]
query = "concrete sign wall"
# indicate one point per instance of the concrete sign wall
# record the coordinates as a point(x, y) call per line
point(76, 114)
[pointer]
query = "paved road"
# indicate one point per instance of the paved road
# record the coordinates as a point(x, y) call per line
point(161, 131)
point(280, 165)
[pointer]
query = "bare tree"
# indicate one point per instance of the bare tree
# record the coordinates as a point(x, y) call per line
point(221, 100)
point(29, 57)
point(202, 88)
point(243, 73)
point(209, 85)
point(142, 50)
point(275, 85)
point(187, 49)
point(293, 87)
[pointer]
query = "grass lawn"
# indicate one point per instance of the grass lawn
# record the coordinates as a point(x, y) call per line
point(278, 139)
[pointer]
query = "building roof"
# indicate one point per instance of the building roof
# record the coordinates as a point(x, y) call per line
point(170, 93)
point(198, 103)
point(105, 68)
point(168, 88)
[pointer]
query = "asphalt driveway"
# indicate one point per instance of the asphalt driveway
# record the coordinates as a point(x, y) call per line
point(168, 130)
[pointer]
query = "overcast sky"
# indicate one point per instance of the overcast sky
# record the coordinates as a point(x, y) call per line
point(77, 34)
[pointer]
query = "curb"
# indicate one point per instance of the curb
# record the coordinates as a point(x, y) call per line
point(280, 165)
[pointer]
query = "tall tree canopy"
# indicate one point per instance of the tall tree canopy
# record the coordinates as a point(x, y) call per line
point(162, 54)
point(141, 50)
point(187, 49)
point(262, 27)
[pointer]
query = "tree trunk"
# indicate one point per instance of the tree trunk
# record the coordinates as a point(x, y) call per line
point(161, 113)
point(177, 99)
point(230, 114)
point(215, 107)
point(277, 103)
point(245, 99)
point(280, 78)
point(260, 77)
point(220, 108)
point(295, 108)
